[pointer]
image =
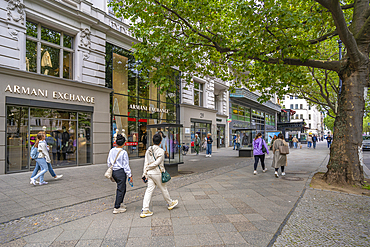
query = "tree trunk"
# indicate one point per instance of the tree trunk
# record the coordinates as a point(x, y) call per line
point(345, 164)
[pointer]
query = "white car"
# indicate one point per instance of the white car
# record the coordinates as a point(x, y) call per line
point(365, 142)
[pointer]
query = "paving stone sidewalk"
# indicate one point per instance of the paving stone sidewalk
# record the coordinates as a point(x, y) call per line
point(233, 208)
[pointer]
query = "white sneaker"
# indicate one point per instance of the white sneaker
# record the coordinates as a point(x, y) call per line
point(210, 156)
point(265, 170)
point(276, 174)
point(42, 183)
point(58, 176)
point(119, 210)
point(255, 172)
point(173, 204)
point(283, 174)
point(33, 181)
point(146, 213)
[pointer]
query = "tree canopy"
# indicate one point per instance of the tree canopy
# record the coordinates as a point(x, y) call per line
point(214, 37)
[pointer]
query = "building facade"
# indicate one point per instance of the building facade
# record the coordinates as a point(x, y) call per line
point(304, 112)
point(203, 110)
point(248, 116)
point(66, 69)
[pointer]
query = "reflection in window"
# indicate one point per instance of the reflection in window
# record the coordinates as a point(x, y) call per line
point(31, 56)
point(51, 44)
point(84, 138)
point(17, 141)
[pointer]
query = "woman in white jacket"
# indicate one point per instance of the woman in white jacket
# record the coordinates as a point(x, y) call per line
point(42, 159)
point(153, 167)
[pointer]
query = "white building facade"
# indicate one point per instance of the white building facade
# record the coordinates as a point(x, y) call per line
point(306, 112)
point(204, 109)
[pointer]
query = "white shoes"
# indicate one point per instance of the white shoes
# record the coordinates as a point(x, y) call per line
point(173, 204)
point(146, 213)
point(58, 176)
point(283, 174)
point(208, 155)
point(119, 210)
point(276, 174)
point(255, 172)
point(33, 181)
point(265, 170)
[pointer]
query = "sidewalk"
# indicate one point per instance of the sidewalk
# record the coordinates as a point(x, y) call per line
point(225, 206)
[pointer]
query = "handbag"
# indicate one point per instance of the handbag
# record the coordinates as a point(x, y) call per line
point(263, 147)
point(165, 175)
point(284, 149)
point(109, 173)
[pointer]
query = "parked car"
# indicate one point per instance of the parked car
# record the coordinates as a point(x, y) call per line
point(366, 142)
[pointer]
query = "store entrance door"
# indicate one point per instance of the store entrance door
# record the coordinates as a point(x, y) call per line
point(202, 129)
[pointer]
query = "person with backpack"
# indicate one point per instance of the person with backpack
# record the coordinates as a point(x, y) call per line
point(50, 168)
point(196, 144)
point(234, 140)
point(314, 140)
point(118, 158)
point(259, 149)
point(279, 160)
point(209, 145)
point(42, 158)
point(152, 175)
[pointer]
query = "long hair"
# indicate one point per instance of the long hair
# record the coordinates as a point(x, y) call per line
point(39, 137)
point(280, 136)
point(258, 135)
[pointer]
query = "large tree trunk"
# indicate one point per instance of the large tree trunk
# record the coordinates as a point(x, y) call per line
point(345, 164)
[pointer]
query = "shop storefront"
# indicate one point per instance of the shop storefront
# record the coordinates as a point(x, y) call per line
point(250, 117)
point(201, 128)
point(135, 103)
point(66, 110)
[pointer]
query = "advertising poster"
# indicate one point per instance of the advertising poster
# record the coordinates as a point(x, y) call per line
point(270, 135)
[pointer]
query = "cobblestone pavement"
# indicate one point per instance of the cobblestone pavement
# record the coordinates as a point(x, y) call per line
point(325, 218)
point(226, 206)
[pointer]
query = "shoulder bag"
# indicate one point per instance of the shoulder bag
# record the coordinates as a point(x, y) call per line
point(165, 175)
point(283, 149)
point(263, 148)
point(109, 173)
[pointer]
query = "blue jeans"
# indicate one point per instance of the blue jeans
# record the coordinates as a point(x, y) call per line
point(329, 143)
point(309, 144)
point(295, 144)
point(238, 146)
point(209, 148)
point(314, 144)
point(37, 168)
point(234, 145)
point(44, 169)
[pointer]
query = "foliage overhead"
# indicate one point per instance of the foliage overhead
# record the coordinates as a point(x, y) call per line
point(214, 37)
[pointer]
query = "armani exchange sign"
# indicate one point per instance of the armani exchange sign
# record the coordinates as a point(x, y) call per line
point(149, 109)
point(44, 93)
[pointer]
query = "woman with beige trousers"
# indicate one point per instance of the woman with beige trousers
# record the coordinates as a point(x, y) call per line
point(153, 168)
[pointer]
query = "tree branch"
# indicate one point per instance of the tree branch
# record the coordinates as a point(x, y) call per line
point(324, 37)
point(329, 65)
point(345, 35)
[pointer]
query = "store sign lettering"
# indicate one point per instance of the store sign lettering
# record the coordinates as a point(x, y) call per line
point(149, 109)
point(44, 93)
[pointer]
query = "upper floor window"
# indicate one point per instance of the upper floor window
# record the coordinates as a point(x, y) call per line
point(296, 106)
point(301, 106)
point(291, 106)
point(296, 97)
point(198, 93)
point(301, 116)
point(48, 52)
point(291, 96)
point(309, 107)
point(309, 116)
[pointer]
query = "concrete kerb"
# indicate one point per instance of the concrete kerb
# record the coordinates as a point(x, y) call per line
point(278, 232)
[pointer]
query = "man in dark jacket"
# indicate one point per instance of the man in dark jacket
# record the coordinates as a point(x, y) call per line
point(314, 140)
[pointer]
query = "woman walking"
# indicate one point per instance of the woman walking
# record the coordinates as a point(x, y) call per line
point(42, 158)
point(196, 144)
point(209, 145)
point(153, 168)
point(295, 142)
point(118, 158)
point(279, 160)
point(258, 144)
point(238, 142)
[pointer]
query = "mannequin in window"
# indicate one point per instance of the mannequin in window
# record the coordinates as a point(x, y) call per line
point(65, 142)
point(46, 62)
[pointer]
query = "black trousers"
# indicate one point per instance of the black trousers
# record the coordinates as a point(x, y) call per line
point(120, 178)
point(257, 158)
